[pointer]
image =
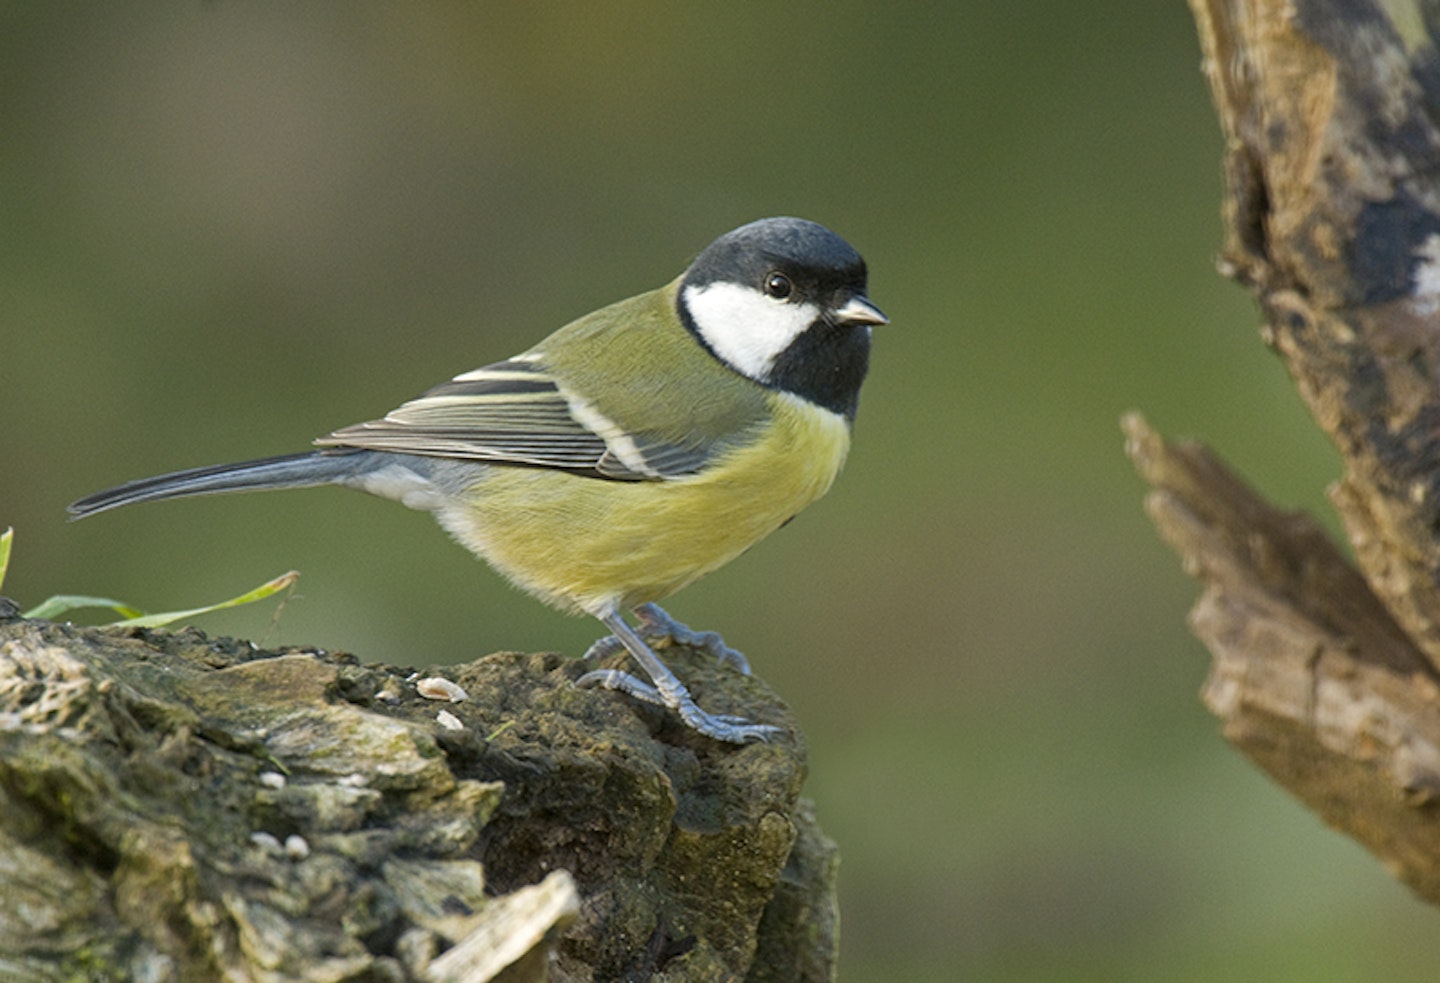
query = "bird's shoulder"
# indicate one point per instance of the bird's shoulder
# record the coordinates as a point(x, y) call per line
point(622, 393)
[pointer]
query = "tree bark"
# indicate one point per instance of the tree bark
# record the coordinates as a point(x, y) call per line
point(1325, 672)
point(176, 808)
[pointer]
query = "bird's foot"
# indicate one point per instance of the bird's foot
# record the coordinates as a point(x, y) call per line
point(721, 726)
point(665, 688)
point(657, 626)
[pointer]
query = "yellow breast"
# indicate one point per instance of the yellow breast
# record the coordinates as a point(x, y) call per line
point(590, 545)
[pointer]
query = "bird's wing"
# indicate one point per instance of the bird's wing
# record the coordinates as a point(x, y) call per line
point(515, 412)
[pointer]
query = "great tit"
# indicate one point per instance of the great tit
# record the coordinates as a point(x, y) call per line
point(629, 453)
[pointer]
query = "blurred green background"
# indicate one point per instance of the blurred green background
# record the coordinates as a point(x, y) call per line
point(229, 227)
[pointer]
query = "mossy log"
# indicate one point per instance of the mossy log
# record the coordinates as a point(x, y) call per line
point(175, 807)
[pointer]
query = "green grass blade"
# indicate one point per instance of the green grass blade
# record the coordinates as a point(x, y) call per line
point(52, 607)
point(5, 539)
point(268, 589)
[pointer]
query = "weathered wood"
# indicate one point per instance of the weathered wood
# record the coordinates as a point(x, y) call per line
point(1312, 678)
point(1325, 674)
point(1329, 110)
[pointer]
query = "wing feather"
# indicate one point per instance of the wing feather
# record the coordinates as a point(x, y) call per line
point(515, 412)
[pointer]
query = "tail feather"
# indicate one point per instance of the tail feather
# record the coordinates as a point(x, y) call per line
point(289, 471)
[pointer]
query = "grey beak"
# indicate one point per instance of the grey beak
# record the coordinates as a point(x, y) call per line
point(859, 310)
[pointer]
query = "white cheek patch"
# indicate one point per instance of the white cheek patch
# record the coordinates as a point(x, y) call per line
point(746, 328)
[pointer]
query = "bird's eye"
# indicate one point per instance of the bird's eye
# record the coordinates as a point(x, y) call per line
point(778, 285)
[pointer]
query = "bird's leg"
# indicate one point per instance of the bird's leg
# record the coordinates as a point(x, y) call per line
point(665, 688)
point(656, 625)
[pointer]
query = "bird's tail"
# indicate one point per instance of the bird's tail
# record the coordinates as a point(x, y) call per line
point(289, 471)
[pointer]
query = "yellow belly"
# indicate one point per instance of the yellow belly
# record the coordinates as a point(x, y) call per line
point(593, 545)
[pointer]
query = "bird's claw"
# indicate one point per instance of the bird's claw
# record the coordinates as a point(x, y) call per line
point(721, 726)
point(656, 625)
